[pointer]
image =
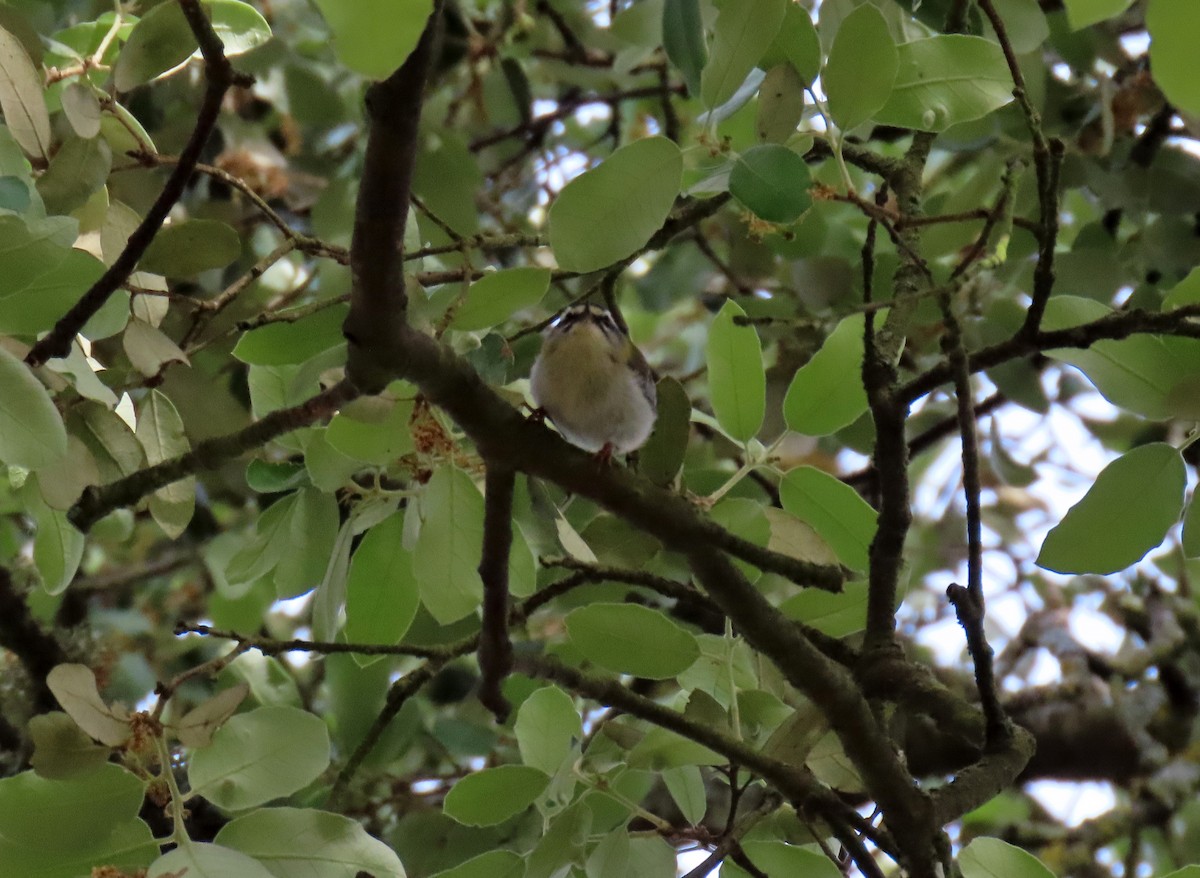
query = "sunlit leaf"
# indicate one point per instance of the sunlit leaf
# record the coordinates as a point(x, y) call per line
point(1124, 515)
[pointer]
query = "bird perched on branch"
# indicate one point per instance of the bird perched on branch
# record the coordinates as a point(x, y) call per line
point(594, 383)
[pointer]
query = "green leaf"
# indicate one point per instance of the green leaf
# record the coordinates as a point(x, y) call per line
point(113, 445)
point(32, 433)
point(161, 40)
point(381, 593)
point(316, 844)
point(101, 808)
point(796, 44)
point(446, 556)
point(82, 109)
point(57, 546)
point(683, 40)
point(546, 724)
point(742, 33)
point(1185, 872)
point(606, 214)
point(1124, 515)
point(946, 80)
point(780, 107)
point(77, 171)
point(61, 750)
point(260, 756)
point(365, 47)
point(21, 98)
point(267, 477)
point(260, 555)
point(196, 727)
point(662, 456)
point(772, 181)
point(496, 297)
point(1081, 13)
point(307, 540)
point(293, 341)
point(160, 431)
point(383, 438)
point(835, 511)
point(989, 857)
point(834, 614)
point(74, 687)
point(1174, 34)
point(1140, 373)
point(187, 248)
point(826, 393)
point(42, 278)
point(206, 860)
point(149, 349)
point(1186, 292)
point(491, 796)
point(736, 379)
point(1191, 529)
point(861, 69)
point(1024, 22)
point(778, 858)
point(492, 864)
point(631, 639)
point(686, 786)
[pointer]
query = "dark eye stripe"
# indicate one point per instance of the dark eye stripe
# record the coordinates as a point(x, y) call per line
point(594, 313)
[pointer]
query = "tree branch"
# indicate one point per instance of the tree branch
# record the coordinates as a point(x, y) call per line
point(378, 301)
point(97, 502)
point(21, 635)
point(495, 649)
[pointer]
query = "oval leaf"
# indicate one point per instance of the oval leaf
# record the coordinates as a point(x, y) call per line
point(546, 723)
point(446, 557)
point(162, 40)
point(303, 841)
point(609, 212)
point(772, 181)
point(861, 69)
point(259, 756)
point(742, 33)
point(989, 857)
point(944, 80)
point(31, 429)
point(75, 688)
point(1124, 515)
point(835, 511)
point(683, 40)
point(826, 393)
point(1174, 34)
point(21, 98)
point(381, 593)
point(737, 382)
point(630, 639)
point(190, 247)
point(365, 47)
point(495, 297)
point(492, 795)
point(205, 860)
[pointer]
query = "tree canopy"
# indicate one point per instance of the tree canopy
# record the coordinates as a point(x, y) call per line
point(291, 583)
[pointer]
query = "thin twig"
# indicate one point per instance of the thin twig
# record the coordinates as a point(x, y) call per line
point(97, 502)
point(220, 77)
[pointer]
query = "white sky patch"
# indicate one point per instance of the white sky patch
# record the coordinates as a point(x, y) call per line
point(1073, 803)
point(293, 608)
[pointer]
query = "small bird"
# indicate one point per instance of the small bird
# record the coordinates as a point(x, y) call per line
point(594, 383)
